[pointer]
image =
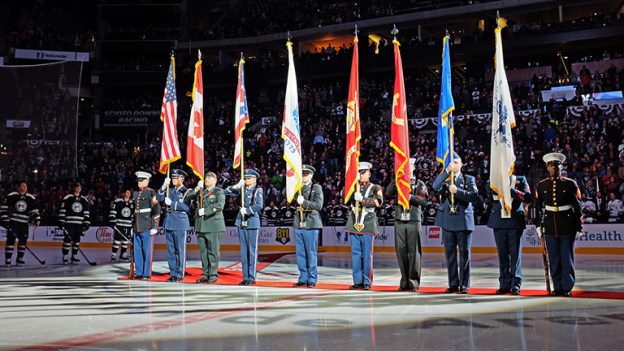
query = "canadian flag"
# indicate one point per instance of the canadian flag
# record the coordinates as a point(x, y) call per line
point(195, 138)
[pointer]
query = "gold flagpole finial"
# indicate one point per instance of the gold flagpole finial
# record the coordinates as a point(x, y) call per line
point(395, 31)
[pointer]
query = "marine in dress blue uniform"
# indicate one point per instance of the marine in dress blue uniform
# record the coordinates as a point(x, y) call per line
point(508, 234)
point(248, 223)
point(562, 222)
point(307, 230)
point(176, 223)
point(457, 222)
point(145, 225)
point(370, 197)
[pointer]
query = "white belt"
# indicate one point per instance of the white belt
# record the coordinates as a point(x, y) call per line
point(558, 208)
point(143, 210)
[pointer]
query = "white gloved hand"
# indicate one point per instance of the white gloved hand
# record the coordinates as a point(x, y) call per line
point(200, 184)
point(243, 211)
point(201, 212)
point(240, 184)
point(358, 196)
point(153, 231)
point(539, 232)
point(167, 182)
point(578, 235)
point(168, 201)
point(300, 200)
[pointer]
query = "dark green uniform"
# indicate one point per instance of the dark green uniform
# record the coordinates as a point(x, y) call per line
point(209, 228)
point(407, 234)
point(312, 204)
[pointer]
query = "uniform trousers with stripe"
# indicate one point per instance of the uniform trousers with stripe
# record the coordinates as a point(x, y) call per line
point(362, 257)
point(248, 239)
point(143, 249)
point(561, 258)
point(18, 231)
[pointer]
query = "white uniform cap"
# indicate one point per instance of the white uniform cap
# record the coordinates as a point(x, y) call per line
point(143, 175)
point(365, 166)
point(554, 157)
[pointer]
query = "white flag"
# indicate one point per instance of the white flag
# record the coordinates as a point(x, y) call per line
point(291, 133)
point(503, 119)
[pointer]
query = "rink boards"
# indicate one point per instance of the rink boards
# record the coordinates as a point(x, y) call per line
point(597, 239)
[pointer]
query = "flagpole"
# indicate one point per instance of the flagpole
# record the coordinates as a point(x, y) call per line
point(201, 191)
point(242, 155)
point(358, 204)
point(451, 146)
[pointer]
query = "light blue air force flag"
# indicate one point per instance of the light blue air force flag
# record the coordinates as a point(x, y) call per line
point(503, 119)
point(444, 151)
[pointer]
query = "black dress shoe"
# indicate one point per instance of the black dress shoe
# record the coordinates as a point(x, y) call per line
point(366, 287)
point(202, 280)
point(137, 277)
point(557, 293)
point(299, 284)
point(403, 289)
point(503, 291)
point(356, 286)
point(171, 279)
point(243, 283)
point(515, 292)
point(250, 282)
point(145, 278)
point(463, 290)
point(212, 280)
point(452, 289)
point(311, 285)
point(179, 279)
point(567, 293)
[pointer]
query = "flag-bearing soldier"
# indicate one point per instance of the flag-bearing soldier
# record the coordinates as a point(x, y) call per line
point(18, 211)
point(145, 225)
point(408, 231)
point(561, 222)
point(120, 218)
point(248, 223)
point(176, 222)
point(74, 221)
point(209, 224)
point(307, 225)
point(362, 225)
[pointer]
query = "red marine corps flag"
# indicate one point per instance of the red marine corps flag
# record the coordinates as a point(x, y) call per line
point(170, 151)
point(195, 138)
point(400, 137)
point(353, 126)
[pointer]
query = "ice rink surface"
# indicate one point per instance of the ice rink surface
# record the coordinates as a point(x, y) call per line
point(57, 307)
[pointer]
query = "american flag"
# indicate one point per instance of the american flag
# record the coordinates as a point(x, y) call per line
point(170, 150)
point(242, 115)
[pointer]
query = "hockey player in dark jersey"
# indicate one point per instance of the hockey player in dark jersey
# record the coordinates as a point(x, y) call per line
point(74, 219)
point(19, 209)
point(120, 217)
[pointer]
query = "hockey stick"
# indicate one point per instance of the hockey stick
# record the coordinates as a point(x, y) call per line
point(27, 248)
point(79, 249)
point(131, 274)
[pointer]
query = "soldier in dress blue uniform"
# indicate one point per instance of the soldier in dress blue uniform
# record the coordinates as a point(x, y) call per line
point(508, 234)
point(457, 222)
point(370, 197)
point(307, 230)
point(248, 223)
point(176, 223)
point(562, 222)
point(145, 225)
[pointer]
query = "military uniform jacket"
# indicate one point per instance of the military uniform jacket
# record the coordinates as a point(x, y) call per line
point(466, 194)
point(253, 207)
point(418, 198)
point(147, 210)
point(372, 200)
point(312, 204)
point(74, 210)
point(521, 194)
point(122, 213)
point(20, 208)
point(214, 202)
point(177, 213)
point(556, 193)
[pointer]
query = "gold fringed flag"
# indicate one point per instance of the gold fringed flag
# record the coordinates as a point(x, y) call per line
point(353, 127)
